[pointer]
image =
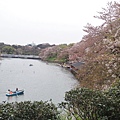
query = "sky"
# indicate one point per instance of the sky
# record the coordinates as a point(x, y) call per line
point(25, 22)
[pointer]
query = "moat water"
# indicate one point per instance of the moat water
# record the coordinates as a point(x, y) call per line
point(40, 81)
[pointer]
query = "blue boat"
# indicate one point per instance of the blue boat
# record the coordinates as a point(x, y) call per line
point(15, 93)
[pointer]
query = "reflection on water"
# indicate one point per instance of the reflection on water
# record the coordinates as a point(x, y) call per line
point(40, 81)
point(14, 98)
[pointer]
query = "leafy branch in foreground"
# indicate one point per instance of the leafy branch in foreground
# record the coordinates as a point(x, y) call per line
point(87, 104)
point(28, 111)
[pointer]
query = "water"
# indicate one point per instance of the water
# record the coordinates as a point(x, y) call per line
point(41, 81)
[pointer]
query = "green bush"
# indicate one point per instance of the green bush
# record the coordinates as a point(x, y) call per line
point(28, 111)
point(87, 104)
point(8, 50)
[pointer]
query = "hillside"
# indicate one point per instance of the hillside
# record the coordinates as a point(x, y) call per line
point(99, 49)
point(30, 49)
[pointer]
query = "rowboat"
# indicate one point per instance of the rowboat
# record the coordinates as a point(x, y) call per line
point(15, 93)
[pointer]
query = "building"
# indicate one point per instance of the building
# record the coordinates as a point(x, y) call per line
point(76, 66)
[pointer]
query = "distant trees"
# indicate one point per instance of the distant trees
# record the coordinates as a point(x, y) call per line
point(58, 53)
point(44, 45)
point(8, 50)
point(23, 50)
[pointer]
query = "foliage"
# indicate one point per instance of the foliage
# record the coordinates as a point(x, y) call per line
point(111, 18)
point(8, 50)
point(51, 58)
point(56, 53)
point(102, 58)
point(87, 104)
point(45, 45)
point(63, 46)
point(23, 50)
point(28, 111)
point(71, 44)
point(94, 74)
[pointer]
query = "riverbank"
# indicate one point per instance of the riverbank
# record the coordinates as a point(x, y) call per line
point(73, 67)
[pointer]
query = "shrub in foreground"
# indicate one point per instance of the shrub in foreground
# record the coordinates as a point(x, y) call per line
point(28, 111)
point(87, 104)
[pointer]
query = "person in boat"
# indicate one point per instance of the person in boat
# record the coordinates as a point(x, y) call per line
point(9, 91)
point(16, 89)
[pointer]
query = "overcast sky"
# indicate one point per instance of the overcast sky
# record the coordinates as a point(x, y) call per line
point(47, 21)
